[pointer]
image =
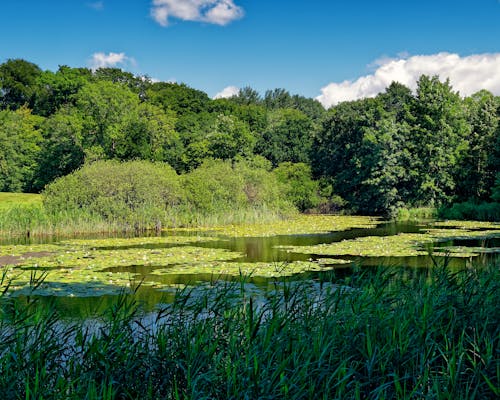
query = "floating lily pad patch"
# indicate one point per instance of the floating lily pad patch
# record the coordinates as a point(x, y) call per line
point(401, 245)
point(300, 225)
point(260, 269)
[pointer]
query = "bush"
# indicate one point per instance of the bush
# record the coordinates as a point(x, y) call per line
point(302, 191)
point(214, 186)
point(129, 192)
point(145, 195)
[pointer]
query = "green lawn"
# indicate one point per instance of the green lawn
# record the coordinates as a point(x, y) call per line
point(8, 200)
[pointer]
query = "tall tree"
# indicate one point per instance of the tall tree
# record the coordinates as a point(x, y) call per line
point(287, 137)
point(107, 108)
point(62, 151)
point(281, 98)
point(230, 137)
point(20, 140)
point(18, 84)
point(359, 150)
point(138, 84)
point(476, 172)
point(438, 140)
point(247, 96)
point(59, 89)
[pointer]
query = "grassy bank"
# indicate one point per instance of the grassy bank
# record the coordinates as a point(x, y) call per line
point(10, 200)
point(370, 336)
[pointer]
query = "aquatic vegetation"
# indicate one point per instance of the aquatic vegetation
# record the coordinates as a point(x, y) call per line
point(92, 267)
point(107, 243)
point(137, 241)
point(300, 225)
point(261, 269)
point(401, 245)
point(469, 225)
point(369, 335)
point(86, 268)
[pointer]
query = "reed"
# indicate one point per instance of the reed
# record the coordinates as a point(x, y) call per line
point(371, 335)
point(416, 214)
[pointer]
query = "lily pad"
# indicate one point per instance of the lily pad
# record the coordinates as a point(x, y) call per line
point(301, 225)
point(402, 245)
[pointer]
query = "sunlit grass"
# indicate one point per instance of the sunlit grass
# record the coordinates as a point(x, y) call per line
point(9, 200)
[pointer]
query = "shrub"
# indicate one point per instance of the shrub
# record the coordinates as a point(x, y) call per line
point(124, 191)
point(301, 190)
point(219, 185)
point(214, 186)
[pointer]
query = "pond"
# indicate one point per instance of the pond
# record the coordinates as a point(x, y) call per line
point(83, 274)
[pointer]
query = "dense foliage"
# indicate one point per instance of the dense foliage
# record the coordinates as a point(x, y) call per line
point(142, 194)
point(430, 147)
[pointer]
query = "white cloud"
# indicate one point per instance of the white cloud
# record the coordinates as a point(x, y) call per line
point(219, 12)
point(227, 92)
point(96, 5)
point(467, 75)
point(102, 60)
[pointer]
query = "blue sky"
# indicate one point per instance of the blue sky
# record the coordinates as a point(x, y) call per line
point(302, 46)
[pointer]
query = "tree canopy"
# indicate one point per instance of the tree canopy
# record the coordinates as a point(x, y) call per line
point(402, 148)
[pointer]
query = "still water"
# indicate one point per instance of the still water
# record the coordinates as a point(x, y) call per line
point(270, 250)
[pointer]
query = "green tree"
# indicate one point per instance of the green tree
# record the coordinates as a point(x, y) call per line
point(107, 108)
point(18, 84)
point(230, 137)
point(194, 119)
point(150, 135)
point(281, 98)
point(247, 96)
point(438, 140)
point(62, 151)
point(359, 150)
point(138, 84)
point(496, 189)
point(178, 97)
point(287, 137)
point(59, 89)
point(476, 172)
point(20, 140)
point(254, 115)
point(399, 102)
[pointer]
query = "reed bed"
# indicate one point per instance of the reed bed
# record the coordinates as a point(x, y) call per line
point(36, 221)
point(377, 335)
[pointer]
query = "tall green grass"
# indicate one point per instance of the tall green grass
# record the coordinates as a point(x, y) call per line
point(36, 221)
point(416, 214)
point(472, 210)
point(370, 336)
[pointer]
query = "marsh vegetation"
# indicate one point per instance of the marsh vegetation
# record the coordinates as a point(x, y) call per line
point(382, 334)
point(160, 247)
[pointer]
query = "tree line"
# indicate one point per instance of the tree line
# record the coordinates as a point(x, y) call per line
point(399, 149)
